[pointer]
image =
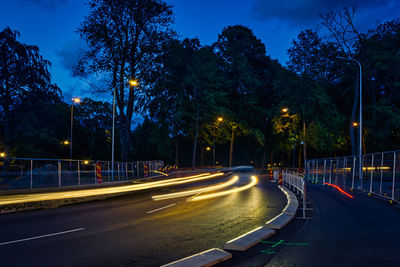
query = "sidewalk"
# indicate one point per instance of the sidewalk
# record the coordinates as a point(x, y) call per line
point(343, 232)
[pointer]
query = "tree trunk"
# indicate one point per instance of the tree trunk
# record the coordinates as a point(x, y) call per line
point(304, 144)
point(352, 129)
point(231, 148)
point(125, 136)
point(195, 137)
point(202, 156)
point(176, 151)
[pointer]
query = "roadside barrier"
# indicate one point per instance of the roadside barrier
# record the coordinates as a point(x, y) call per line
point(379, 173)
point(29, 173)
point(295, 182)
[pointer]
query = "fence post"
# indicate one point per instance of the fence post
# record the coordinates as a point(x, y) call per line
point(59, 173)
point(330, 171)
point(344, 172)
point(95, 178)
point(108, 170)
point(354, 169)
point(138, 169)
point(126, 170)
point(323, 177)
point(394, 173)
point(119, 174)
point(380, 185)
point(79, 172)
point(372, 172)
point(31, 174)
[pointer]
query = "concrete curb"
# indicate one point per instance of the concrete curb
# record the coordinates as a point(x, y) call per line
point(206, 258)
point(249, 239)
point(279, 221)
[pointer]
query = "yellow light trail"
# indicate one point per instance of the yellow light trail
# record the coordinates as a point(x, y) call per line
point(254, 181)
point(160, 173)
point(22, 198)
point(196, 191)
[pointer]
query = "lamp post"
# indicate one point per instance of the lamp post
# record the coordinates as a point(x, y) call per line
point(132, 83)
point(286, 111)
point(219, 119)
point(75, 100)
point(360, 173)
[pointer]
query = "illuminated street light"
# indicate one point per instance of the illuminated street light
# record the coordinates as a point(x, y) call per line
point(219, 119)
point(284, 110)
point(75, 100)
point(208, 148)
point(134, 83)
point(2, 154)
point(86, 162)
point(355, 124)
point(360, 173)
point(66, 142)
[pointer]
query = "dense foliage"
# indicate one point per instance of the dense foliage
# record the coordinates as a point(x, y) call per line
point(185, 87)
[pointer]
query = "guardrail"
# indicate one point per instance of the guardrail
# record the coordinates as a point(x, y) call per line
point(295, 182)
point(29, 173)
point(379, 172)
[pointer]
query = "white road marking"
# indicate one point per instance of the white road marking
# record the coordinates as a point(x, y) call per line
point(161, 208)
point(41, 236)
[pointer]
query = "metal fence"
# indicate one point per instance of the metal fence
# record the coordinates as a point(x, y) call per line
point(295, 182)
point(28, 173)
point(379, 176)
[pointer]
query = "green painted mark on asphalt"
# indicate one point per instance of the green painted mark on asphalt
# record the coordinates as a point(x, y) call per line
point(277, 244)
point(281, 242)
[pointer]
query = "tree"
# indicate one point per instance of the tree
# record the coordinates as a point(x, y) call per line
point(23, 71)
point(345, 35)
point(124, 39)
point(249, 75)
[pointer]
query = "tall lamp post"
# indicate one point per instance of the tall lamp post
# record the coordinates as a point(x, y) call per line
point(132, 83)
point(360, 173)
point(219, 119)
point(75, 100)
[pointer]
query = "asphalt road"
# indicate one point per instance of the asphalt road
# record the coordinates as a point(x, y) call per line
point(363, 231)
point(134, 230)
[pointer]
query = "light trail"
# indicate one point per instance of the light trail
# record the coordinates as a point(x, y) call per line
point(254, 181)
point(160, 173)
point(340, 190)
point(162, 208)
point(6, 200)
point(196, 191)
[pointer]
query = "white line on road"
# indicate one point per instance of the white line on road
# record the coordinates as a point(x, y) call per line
point(161, 208)
point(41, 236)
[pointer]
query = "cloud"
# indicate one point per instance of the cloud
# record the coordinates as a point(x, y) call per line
point(70, 53)
point(306, 12)
point(44, 3)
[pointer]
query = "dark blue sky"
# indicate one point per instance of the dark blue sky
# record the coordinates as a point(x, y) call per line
point(51, 25)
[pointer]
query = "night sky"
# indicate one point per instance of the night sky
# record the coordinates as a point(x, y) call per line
point(51, 25)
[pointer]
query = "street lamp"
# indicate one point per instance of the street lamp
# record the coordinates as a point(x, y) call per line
point(132, 83)
point(2, 154)
point(360, 120)
point(75, 100)
point(284, 110)
point(219, 119)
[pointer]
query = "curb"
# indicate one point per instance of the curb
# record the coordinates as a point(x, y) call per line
point(206, 258)
point(249, 239)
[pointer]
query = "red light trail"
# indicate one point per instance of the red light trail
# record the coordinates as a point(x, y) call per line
point(340, 190)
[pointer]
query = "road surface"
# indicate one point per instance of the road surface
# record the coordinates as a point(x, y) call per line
point(362, 231)
point(134, 230)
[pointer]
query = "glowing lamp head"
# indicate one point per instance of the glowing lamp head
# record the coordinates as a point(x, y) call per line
point(355, 124)
point(284, 110)
point(66, 142)
point(86, 162)
point(220, 119)
point(76, 100)
point(134, 83)
point(2, 154)
point(208, 148)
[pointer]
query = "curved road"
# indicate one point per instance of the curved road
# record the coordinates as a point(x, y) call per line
point(134, 230)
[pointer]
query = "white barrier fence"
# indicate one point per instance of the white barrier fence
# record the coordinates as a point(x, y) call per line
point(295, 182)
